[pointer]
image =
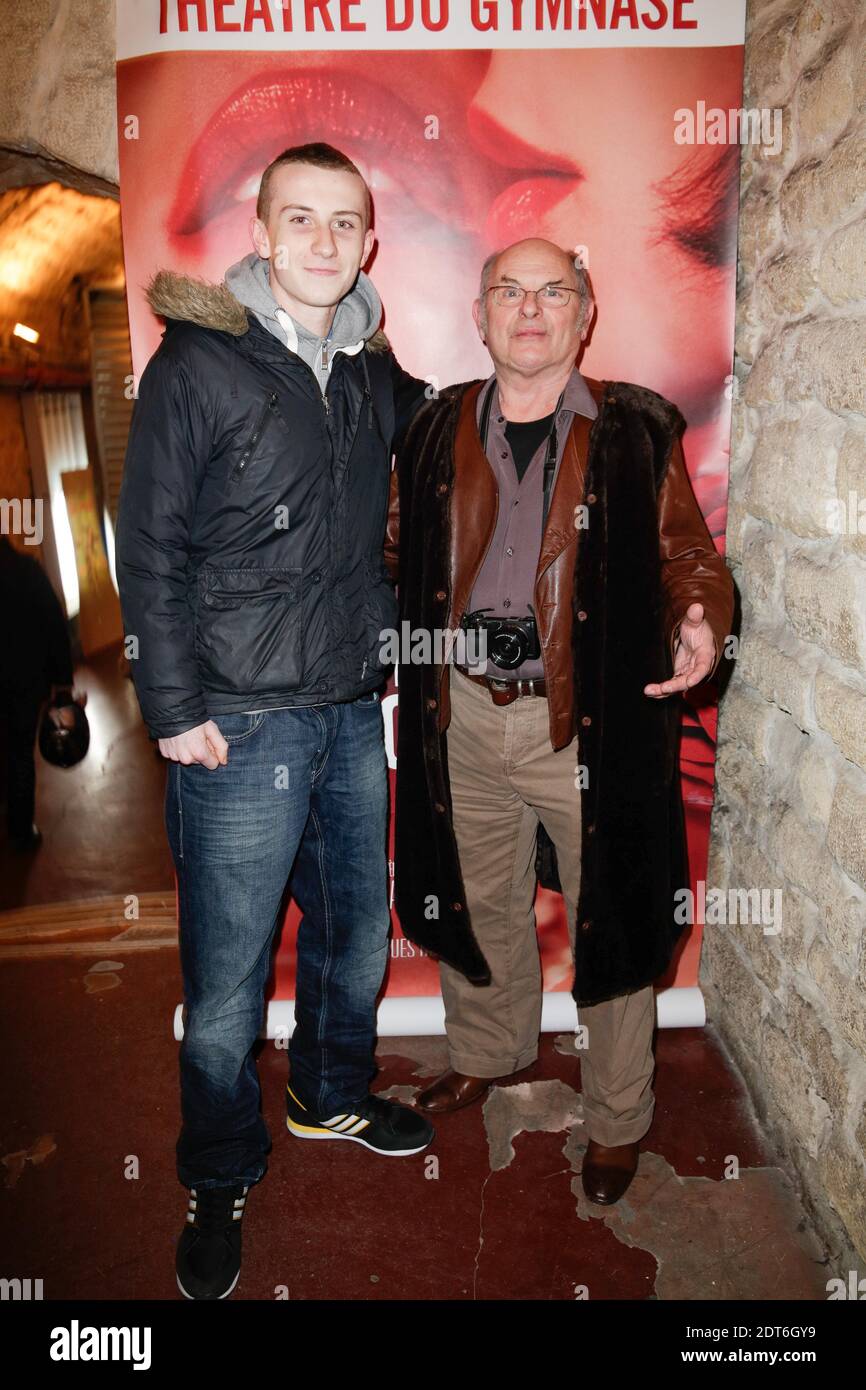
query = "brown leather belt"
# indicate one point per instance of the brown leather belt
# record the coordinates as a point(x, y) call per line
point(504, 692)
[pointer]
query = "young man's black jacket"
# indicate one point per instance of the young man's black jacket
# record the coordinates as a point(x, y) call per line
point(252, 516)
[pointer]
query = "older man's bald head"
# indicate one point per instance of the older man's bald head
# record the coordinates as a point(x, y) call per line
point(531, 258)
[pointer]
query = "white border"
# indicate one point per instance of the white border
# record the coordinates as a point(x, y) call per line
point(719, 23)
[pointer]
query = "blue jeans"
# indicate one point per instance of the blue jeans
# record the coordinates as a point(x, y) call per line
point(304, 796)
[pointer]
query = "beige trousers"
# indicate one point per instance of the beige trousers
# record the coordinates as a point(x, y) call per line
point(505, 777)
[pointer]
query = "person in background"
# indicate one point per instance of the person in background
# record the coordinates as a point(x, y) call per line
point(35, 662)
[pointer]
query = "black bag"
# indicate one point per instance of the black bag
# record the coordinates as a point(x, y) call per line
point(64, 744)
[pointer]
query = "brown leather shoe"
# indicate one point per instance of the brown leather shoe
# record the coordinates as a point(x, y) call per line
point(607, 1171)
point(452, 1090)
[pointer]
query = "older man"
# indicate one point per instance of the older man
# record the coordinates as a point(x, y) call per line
point(563, 503)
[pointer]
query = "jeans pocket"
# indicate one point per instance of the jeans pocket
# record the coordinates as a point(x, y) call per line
point(236, 727)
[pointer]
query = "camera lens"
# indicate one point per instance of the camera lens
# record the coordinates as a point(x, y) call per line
point(508, 649)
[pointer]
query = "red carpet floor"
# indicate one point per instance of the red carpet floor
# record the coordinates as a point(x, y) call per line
point(89, 1096)
point(494, 1210)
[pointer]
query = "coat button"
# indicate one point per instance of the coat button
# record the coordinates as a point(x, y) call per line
point(581, 616)
point(431, 703)
point(590, 830)
point(439, 807)
point(611, 400)
point(586, 721)
point(457, 907)
point(585, 926)
point(591, 497)
point(442, 489)
point(440, 594)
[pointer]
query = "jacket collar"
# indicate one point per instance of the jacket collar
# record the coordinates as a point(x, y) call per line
point(183, 299)
point(475, 499)
point(577, 397)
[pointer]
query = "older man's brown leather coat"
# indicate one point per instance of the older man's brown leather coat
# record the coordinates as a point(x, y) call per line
point(608, 595)
point(692, 569)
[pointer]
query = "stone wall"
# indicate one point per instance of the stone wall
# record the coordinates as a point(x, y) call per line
point(791, 790)
point(58, 109)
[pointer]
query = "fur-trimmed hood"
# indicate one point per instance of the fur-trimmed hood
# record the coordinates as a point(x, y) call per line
point(183, 298)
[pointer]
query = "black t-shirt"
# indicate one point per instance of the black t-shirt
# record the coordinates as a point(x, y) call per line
point(524, 437)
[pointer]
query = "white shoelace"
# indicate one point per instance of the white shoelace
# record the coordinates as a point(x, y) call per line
point(238, 1205)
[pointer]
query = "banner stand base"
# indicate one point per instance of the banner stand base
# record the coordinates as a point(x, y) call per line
point(414, 1015)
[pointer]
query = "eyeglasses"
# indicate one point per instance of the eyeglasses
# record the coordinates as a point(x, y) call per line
point(511, 296)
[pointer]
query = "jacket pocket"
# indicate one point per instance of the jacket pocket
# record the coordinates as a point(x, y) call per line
point(249, 634)
point(259, 428)
point(380, 609)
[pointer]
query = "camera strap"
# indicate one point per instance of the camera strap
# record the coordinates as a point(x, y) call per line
point(550, 454)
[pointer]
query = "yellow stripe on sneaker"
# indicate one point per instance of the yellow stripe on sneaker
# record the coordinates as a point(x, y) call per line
point(308, 1129)
point(337, 1124)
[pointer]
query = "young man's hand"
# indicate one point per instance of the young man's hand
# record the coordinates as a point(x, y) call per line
point(203, 744)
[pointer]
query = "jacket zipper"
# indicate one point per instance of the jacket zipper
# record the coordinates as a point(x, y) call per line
point(248, 451)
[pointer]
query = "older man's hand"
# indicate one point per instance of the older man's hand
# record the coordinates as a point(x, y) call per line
point(694, 655)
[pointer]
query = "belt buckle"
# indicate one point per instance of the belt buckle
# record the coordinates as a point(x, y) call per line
point(501, 692)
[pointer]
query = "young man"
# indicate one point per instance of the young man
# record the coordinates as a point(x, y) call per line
point(249, 550)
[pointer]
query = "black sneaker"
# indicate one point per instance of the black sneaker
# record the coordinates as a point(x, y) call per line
point(378, 1124)
point(209, 1249)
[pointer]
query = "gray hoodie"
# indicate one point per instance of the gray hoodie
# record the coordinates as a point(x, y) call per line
point(358, 315)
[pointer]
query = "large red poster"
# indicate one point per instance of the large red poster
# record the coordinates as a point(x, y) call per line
point(594, 123)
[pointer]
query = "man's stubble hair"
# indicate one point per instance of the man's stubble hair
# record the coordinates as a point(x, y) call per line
point(321, 156)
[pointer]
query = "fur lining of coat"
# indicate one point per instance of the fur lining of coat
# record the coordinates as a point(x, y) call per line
point(190, 299)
